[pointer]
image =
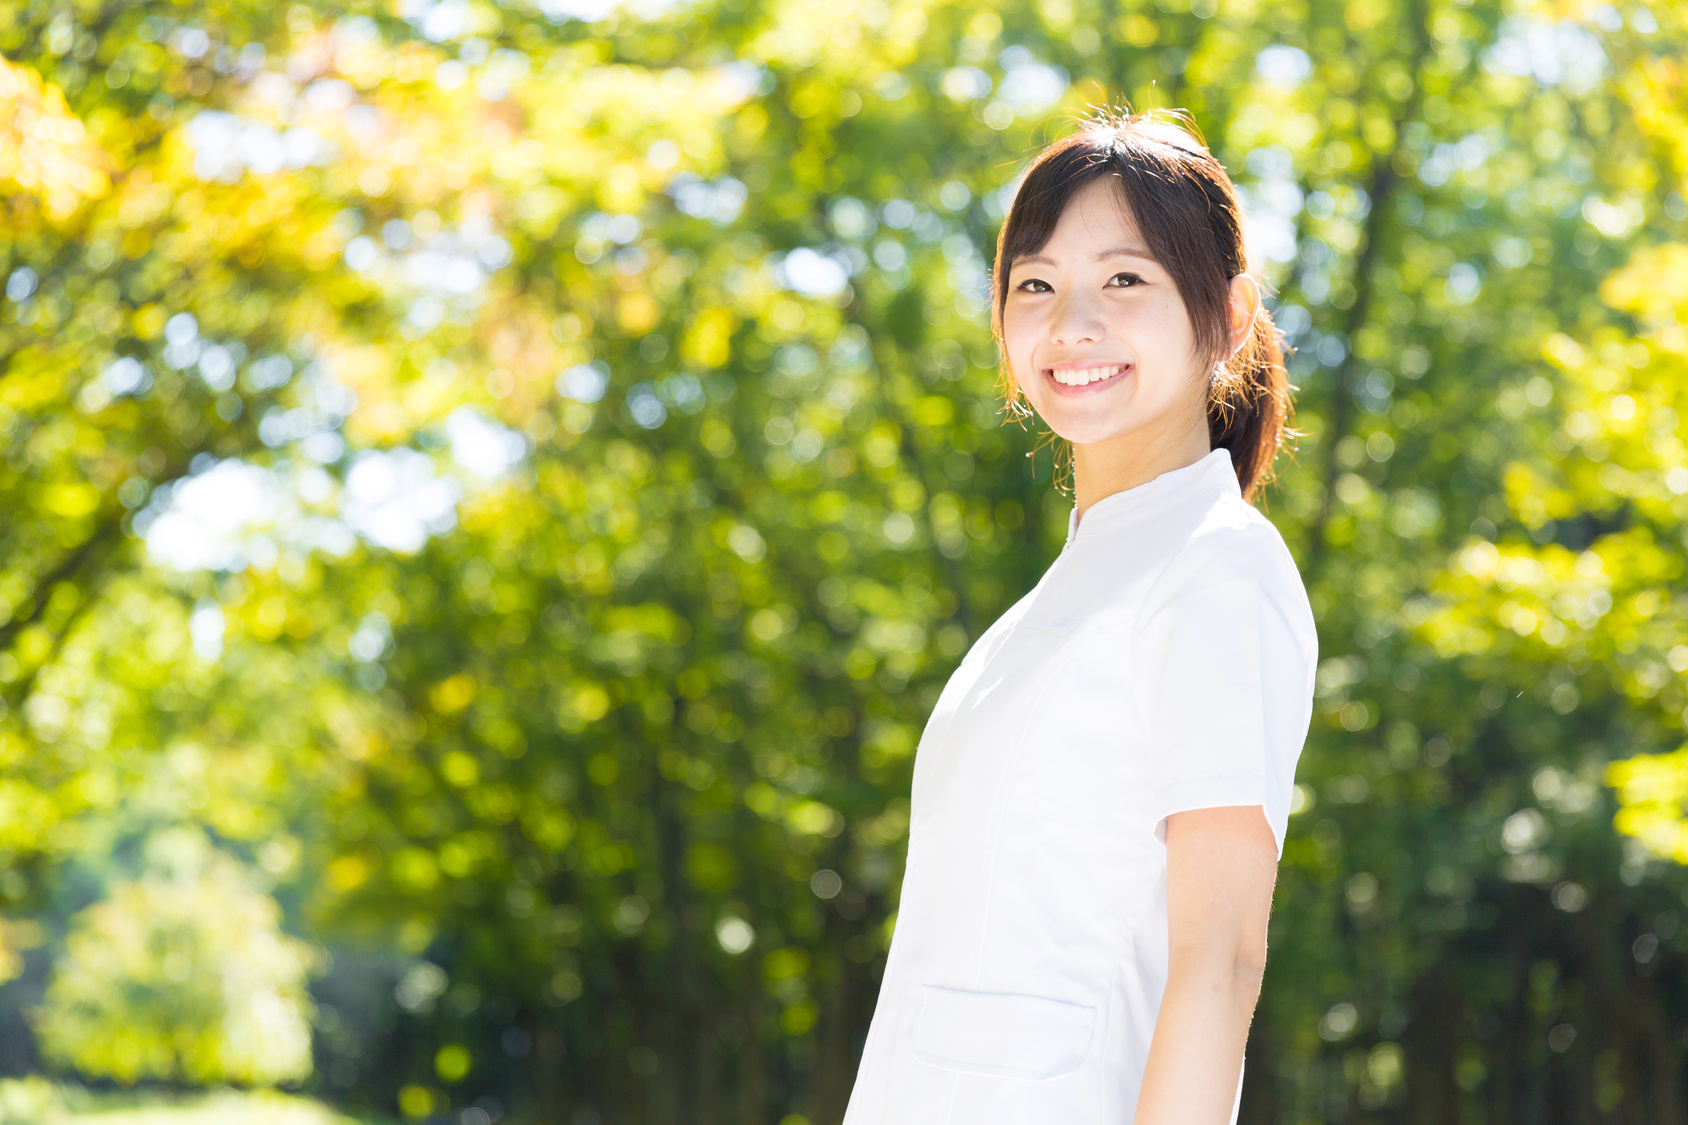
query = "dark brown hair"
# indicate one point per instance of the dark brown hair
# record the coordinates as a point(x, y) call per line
point(1186, 208)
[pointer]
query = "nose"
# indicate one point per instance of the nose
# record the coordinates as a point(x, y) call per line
point(1076, 320)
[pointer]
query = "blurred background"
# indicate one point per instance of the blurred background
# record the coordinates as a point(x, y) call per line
point(491, 491)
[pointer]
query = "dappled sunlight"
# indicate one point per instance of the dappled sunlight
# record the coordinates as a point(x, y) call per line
point(493, 493)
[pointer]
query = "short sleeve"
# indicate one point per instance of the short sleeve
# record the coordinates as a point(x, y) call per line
point(1225, 688)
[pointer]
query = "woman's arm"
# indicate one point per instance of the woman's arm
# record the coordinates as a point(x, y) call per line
point(1220, 867)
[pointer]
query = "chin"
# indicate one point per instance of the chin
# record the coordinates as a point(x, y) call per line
point(1083, 427)
point(1124, 429)
point(1092, 434)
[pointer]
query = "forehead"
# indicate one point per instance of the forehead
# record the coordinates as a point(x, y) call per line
point(1095, 217)
point(1098, 206)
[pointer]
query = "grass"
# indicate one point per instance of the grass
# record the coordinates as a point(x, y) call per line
point(36, 1101)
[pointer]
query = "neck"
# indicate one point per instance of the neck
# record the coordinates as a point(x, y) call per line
point(1105, 467)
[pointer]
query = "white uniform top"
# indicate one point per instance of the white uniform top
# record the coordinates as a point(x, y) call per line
point(1164, 662)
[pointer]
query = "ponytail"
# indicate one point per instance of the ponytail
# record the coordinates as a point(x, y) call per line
point(1249, 404)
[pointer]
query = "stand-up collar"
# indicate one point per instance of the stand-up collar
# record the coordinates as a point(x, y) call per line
point(1132, 505)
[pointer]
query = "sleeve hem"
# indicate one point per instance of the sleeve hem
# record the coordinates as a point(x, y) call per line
point(1224, 791)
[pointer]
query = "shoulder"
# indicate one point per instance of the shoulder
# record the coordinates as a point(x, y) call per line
point(1231, 544)
point(1232, 537)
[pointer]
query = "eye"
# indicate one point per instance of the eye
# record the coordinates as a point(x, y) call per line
point(1129, 279)
point(1025, 286)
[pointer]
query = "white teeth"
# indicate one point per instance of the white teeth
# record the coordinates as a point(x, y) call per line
point(1079, 376)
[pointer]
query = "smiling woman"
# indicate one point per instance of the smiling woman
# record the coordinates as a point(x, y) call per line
point(1101, 795)
point(1134, 224)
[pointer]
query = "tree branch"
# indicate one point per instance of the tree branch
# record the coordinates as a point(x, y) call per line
point(68, 567)
point(1383, 183)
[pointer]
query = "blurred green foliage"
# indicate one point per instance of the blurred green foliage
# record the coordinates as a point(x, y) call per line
point(181, 975)
point(517, 483)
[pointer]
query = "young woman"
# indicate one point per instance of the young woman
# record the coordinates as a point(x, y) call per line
point(1101, 794)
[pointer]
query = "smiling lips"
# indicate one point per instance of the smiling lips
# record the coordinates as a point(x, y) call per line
point(1084, 376)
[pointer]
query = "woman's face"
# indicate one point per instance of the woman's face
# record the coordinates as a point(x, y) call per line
point(1097, 335)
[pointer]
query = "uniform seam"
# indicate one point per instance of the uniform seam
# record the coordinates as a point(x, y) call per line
point(897, 1031)
point(942, 748)
point(1002, 797)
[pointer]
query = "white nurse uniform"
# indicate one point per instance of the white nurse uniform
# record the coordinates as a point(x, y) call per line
point(1164, 662)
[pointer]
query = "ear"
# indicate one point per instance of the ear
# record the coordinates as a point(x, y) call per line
point(1245, 309)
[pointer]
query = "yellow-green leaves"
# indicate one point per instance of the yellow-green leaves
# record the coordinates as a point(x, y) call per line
point(185, 976)
point(1652, 792)
point(45, 149)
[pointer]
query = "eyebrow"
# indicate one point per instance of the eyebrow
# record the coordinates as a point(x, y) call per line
point(1100, 256)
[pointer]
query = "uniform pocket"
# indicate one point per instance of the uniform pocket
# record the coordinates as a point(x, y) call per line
point(1000, 1033)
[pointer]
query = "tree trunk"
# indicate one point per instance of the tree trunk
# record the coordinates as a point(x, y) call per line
point(752, 1063)
point(1432, 1094)
point(676, 1088)
point(1260, 1076)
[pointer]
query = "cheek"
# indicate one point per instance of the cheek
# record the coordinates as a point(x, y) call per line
point(1019, 337)
point(1161, 332)
point(1158, 324)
